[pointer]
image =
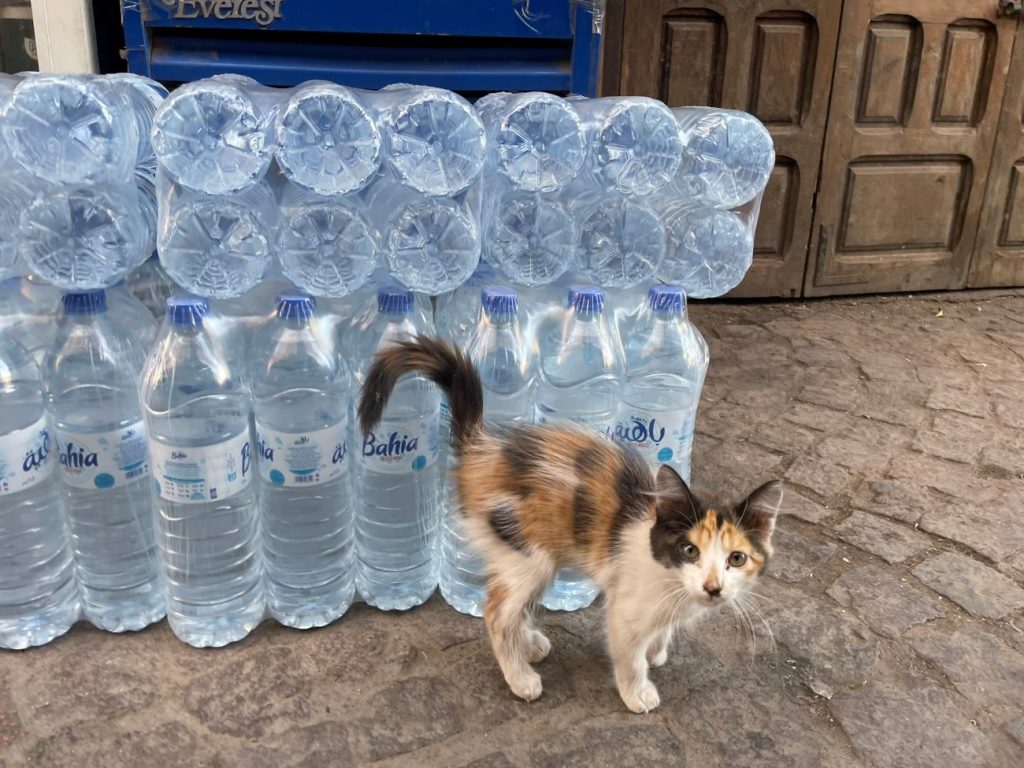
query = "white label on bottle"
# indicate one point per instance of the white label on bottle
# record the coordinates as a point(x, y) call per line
point(102, 460)
point(25, 457)
point(290, 459)
point(202, 474)
point(402, 446)
point(661, 437)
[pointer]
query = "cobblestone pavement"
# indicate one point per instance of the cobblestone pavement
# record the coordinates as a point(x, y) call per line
point(895, 599)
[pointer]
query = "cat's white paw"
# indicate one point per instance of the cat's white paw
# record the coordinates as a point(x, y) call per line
point(527, 687)
point(658, 659)
point(539, 646)
point(644, 698)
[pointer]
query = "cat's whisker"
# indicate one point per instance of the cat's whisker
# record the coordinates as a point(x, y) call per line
point(767, 627)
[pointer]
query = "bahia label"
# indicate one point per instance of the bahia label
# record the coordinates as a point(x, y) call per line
point(262, 12)
point(25, 457)
point(103, 460)
point(296, 459)
point(401, 446)
point(204, 474)
point(660, 436)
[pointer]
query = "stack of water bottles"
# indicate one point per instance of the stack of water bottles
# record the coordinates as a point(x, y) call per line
point(212, 471)
point(332, 180)
point(77, 202)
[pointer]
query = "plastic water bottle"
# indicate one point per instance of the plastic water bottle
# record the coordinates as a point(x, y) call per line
point(507, 372)
point(728, 156)
point(92, 384)
point(38, 594)
point(531, 238)
point(325, 245)
point(146, 96)
point(535, 140)
point(327, 140)
point(666, 361)
point(434, 140)
point(73, 129)
point(398, 498)
point(197, 412)
point(15, 196)
point(29, 312)
point(580, 381)
point(458, 311)
point(85, 237)
point(301, 393)
point(212, 135)
point(218, 246)
point(622, 242)
point(709, 250)
point(634, 143)
point(131, 318)
point(151, 285)
point(429, 244)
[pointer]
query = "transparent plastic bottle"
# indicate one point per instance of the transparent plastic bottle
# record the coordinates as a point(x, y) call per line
point(212, 135)
point(38, 594)
point(146, 96)
point(325, 244)
point(74, 129)
point(218, 246)
point(151, 285)
point(458, 311)
point(535, 140)
point(85, 237)
point(429, 244)
point(580, 382)
point(131, 318)
point(507, 372)
point(635, 145)
point(531, 238)
point(398, 482)
point(301, 394)
point(92, 386)
point(727, 156)
point(434, 140)
point(197, 412)
point(29, 312)
point(622, 242)
point(327, 141)
point(666, 361)
point(15, 196)
point(709, 250)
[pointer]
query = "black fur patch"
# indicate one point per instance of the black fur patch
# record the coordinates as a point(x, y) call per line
point(505, 523)
point(522, 451)
point(667, 541)
point(634, 486)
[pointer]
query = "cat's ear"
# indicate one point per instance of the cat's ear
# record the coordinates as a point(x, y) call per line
point(758, 513)
point(675, 499)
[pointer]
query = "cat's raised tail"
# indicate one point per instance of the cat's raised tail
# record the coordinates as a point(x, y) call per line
point(442, 363)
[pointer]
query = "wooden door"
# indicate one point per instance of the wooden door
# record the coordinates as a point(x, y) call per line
point(772, 58)
point(999, 248)
point(914, 111)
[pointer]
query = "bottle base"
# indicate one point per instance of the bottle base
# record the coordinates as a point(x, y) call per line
point(118, 619)
point(463, 604)
point(394, 599)
point(215, 632)
point(30, 632)
point(301, 615)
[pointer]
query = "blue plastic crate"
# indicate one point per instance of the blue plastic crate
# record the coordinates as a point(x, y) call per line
point(465, 45)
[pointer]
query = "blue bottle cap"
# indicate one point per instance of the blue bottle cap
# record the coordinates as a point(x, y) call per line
point(85, 302)
point(587, 299)
point(185, 310)
point(295, 306)
point(667, 298)
point(499, 302)
point(394, 300)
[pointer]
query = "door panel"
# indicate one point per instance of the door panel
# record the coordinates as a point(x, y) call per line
point(913, 118)
point(772, 58)
point(999, 248)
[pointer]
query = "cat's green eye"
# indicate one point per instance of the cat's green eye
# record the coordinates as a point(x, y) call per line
point(690, 552)
point(737, 559)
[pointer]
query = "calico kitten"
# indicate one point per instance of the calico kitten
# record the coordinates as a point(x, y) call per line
point(536, 498)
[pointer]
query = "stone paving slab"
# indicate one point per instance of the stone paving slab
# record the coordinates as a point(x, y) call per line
point(889, 631)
